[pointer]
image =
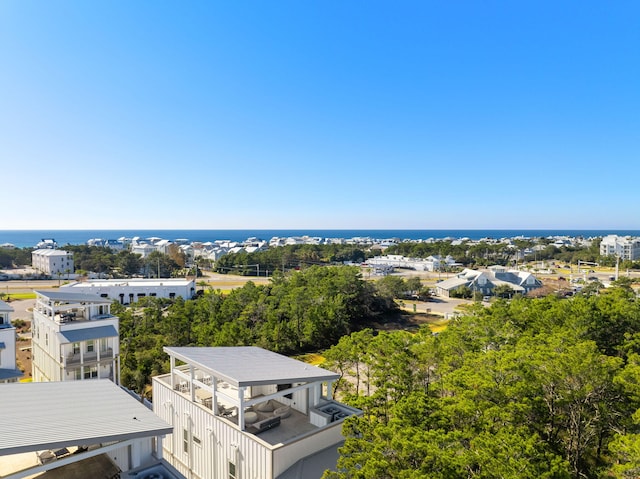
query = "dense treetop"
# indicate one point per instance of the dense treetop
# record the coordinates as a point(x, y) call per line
point(528, 388)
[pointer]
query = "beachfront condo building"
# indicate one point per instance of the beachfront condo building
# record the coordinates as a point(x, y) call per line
point(52, 262)
point(245, 412)
point(623, 247)
point(75, 337)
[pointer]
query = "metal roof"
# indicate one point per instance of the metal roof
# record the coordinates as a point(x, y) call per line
point(73, 296)
point(4, 307)
point(77, 335)
point(9, 374)
point(250, 365)
point(104, 283)
point(72, 413)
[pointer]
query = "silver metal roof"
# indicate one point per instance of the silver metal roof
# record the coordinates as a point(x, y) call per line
point(73, 296)
point(72, 413)
point(77, 335)
point(250, 365)
point(4, 307)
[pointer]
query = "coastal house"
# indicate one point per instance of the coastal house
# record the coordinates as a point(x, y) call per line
point(75, 430)
point(128, 291)
point(75, 337)
point(52, 262)
point(9, 371)
point(142, 248)
point(484, 282)
point(245, 412)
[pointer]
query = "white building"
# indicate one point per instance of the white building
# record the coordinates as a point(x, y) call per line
point(143, 249)
point(486, 281)
point(9, 371)
point(75, 430)
point(623, 247)
point(52, 262)
point(245, 412)
point(128, 291)
point(75, 337)
point(432, 263)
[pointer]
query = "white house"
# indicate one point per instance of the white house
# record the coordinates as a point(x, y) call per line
point(143, 249)
point(245, 412)
point(52, 262)
point(624, 247)
point(128, 291)
point(485, 281)
point(9, 371)
point(75, 430)
point(75, 337)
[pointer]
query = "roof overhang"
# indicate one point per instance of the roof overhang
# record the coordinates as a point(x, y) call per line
point(250, 366)
point(73, 413)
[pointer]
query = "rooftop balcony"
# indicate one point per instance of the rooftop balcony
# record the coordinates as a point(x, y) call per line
point(273, 420)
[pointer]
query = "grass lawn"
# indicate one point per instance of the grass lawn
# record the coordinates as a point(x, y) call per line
point(19, 296)
point(438, 325)
point(314, 359)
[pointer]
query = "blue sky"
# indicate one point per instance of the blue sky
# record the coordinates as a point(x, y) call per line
point(319, 114)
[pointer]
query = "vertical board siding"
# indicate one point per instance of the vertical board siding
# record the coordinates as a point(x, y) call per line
point(210, 459)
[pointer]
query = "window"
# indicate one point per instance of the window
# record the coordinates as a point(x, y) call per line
point(185, 440)
point(90, 373)
point(76, 348)
point(77, 374)
point(90, 346)
point(232, 471)
point(282, 387)
point(46, 339)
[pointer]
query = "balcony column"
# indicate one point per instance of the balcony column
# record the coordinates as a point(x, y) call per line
point(241, 407)
point(214, 390)
point(329, 390)
point(191, 388)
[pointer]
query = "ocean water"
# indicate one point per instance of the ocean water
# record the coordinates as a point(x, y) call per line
point(29, 238)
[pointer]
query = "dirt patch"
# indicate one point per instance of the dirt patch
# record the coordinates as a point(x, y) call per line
point(23, 350)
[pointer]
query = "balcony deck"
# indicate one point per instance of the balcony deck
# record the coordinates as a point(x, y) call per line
point(290, 429)
point(89, 358)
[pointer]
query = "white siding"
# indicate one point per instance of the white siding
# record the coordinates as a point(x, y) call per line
point(210, 460)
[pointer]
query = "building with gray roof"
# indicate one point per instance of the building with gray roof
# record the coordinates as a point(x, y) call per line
point(248, 412)
point(75, 337)
point(485, 281)
point(77, 429)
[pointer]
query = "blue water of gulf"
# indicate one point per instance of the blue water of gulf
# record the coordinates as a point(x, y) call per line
point(29, 238)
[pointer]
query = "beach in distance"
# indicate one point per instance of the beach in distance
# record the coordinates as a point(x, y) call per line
point(29, 238)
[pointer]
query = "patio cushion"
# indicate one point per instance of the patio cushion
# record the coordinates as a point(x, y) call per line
point(284, 411)
point(266, 406)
